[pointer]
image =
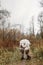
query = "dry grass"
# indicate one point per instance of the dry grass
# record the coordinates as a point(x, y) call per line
point(12, 56)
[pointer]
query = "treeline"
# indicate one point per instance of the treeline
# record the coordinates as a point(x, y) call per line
point(13, 36)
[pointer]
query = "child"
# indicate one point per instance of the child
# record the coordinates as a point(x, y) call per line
point(24, 48)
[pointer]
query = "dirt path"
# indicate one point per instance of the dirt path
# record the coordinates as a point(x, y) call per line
point(23, 62)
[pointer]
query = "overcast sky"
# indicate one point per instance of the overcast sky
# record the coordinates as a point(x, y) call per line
point(22, 11)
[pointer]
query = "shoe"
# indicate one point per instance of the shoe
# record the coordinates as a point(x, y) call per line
point(28, 57)
point(22, 58)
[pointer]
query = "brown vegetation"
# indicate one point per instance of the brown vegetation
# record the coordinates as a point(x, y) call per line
point(12, 38)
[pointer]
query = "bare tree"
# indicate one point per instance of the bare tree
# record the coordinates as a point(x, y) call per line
point(32, 26)
point(40, 19)
point(4, 14)
point(41, 3)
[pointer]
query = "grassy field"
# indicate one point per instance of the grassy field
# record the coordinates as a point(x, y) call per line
point(13, 57)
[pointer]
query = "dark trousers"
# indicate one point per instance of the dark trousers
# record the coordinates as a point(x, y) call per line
point(26, 52)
